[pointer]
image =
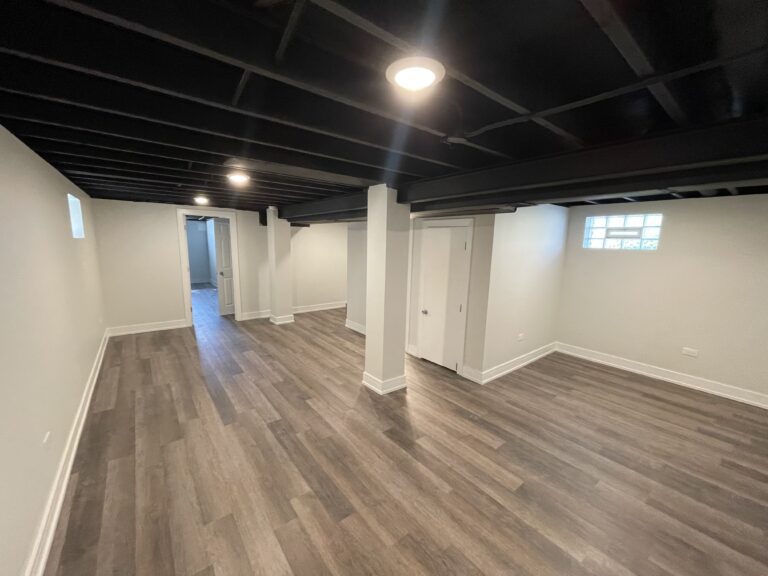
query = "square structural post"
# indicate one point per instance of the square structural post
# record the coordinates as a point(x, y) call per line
point(386, 290)
point(280, 272)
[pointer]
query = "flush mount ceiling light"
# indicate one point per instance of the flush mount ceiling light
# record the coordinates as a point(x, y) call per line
point(202, 200)
point(238, 178)
point(416, 73)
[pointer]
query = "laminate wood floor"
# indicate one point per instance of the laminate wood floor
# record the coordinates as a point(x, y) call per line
point(238, 449)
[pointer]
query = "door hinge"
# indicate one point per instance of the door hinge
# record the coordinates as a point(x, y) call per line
point(460, 305)
point(465, 246)
point(457, 366)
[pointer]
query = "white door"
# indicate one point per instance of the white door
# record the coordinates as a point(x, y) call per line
point(444, 277)
point(225, 282)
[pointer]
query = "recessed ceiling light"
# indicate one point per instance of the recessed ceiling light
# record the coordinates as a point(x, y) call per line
point(203, 200)
point(416, 73)
point(238, 178)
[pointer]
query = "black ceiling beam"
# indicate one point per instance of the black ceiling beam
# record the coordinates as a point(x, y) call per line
point(238, 43)
point(646, 83)
point(217, 180)
point(169, 184)
point(122, 128)
point(188, 193)
point(61, 86)
point(617, 30)
point(105, 158)
point(142, 196)
point(346, 216)
point(173, 73)
point(327, 206)
point(185, 195)
point(41, 136)
point(290, 28)
point(373, 29)
point(724, 148)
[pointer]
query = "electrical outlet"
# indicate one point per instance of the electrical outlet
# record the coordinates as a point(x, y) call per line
point(692, 352)
point(46, 437)
point(520, 337)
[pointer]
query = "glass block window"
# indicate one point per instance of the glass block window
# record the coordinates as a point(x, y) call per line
point(623, 232)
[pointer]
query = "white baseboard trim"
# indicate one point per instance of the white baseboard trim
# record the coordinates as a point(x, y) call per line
point(254, 315)
point(680, 378)
point(356, 326)
point(472, 374)
point(148, 327)
point(491, 374)
point(44, 538)
point(296, 310)
point(318, 307)
point(383, 386)
point(287, 319)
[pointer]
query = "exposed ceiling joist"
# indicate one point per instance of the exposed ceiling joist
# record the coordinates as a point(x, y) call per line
point(327, 206)
point(54, 132)
point(373, 29)
point(346, 216)
point(235, 97)
point(230, 42)
point(182, 116)
point(104, 160)
point(118, 130)
point(724, 146)
point(619, 33)
point(290, 28)
point(191, 181)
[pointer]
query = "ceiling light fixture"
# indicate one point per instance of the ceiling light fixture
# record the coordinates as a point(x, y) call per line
point(416, 73)
point(202, 200)
point(238, 178)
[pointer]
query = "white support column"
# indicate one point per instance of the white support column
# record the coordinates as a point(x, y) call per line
point(386, 290)
point(280, 272)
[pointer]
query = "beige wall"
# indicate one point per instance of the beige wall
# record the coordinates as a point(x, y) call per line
point(319, 260)
point(139, 259)
point(477, 298)
point(51, 329)
point(525, 278)
point(705, 288)
point(139, 254)
point(357, 246)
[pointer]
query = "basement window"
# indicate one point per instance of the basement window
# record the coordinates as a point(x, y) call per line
point(76, 216)
point(623, 232)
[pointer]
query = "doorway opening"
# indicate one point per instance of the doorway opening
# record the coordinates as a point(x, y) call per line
point(209, 265)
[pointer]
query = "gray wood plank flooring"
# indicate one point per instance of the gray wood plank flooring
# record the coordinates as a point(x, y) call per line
point(236, 449)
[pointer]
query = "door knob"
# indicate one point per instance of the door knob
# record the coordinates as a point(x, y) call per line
point(425, 312)
point(221, 273)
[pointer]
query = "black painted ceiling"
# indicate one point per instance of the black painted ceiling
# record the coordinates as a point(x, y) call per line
point(148, 100)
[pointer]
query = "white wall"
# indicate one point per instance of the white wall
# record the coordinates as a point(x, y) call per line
point(140, 264)
point(525, 278)
point(210, 240)
point(139, 253)
point(197, 244)
point(319, 261)
point(705, 288)
point(477, 298)
point(51, 329)
point(140, 259)
point(357, 247)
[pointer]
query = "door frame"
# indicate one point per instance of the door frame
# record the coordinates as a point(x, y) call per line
point(414, 271)
point(186, 284)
